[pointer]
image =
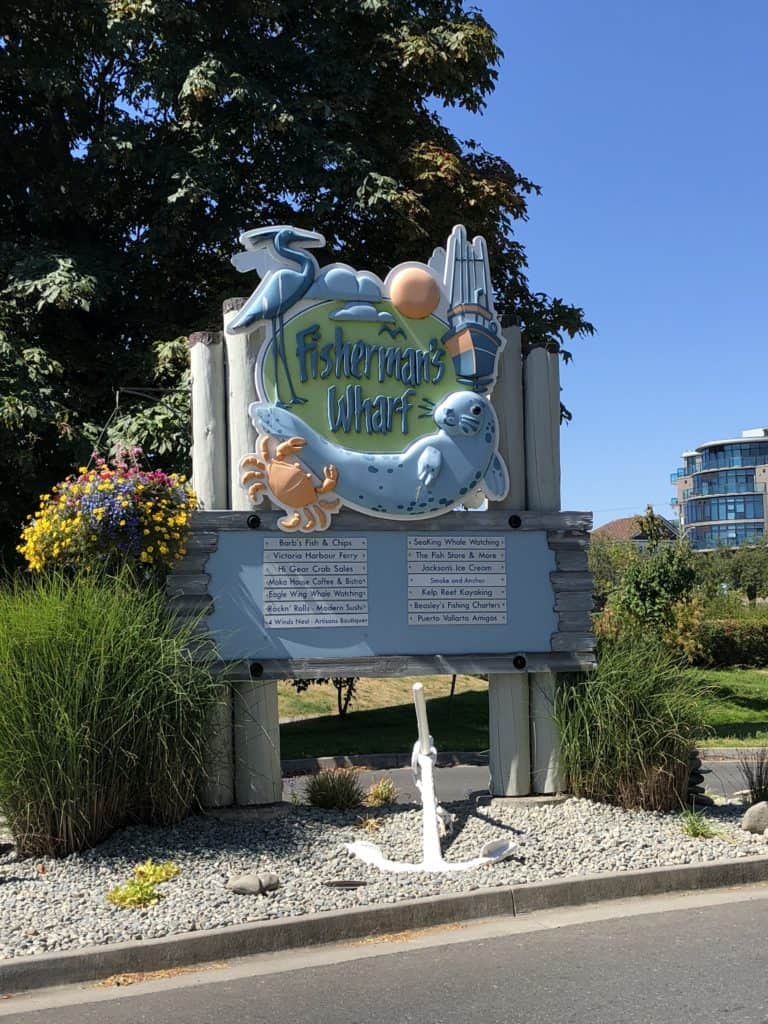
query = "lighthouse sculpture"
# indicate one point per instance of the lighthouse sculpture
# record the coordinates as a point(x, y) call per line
point(474, 340)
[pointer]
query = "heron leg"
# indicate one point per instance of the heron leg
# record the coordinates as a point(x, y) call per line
point(277, 325)
point(295, 400)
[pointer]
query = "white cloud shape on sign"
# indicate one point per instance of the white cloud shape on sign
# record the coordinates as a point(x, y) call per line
point(346, 283)
point(364, 312)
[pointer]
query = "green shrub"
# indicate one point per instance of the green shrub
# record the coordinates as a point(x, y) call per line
point(338, 789)
point(102, 711)
point(726, 642)
point(628, 728)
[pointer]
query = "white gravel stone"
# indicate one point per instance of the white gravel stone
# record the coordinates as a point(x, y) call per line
point(64, 905)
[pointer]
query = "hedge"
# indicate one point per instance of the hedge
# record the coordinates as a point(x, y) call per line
point(734, 642)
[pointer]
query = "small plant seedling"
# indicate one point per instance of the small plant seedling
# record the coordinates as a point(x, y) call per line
point(369, 824)
point(695, 825)
point(153, 873)
point(141, 890)
point(381, 793)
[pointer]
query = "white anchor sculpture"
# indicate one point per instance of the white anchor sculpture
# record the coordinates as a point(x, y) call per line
point(436, 821)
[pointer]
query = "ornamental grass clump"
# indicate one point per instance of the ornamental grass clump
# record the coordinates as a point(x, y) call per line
point(381, 793)
point(103, 708)
point(111, 514)
point(336, 789)
point(628, 728)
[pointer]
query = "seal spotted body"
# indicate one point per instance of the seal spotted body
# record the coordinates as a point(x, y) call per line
point(431, 476)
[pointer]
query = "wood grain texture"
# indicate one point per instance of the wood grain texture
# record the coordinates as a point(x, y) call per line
point(452, 522)
point(415, 665)
point(569, 541)
point(574, 600)
point(190, 607)
point(574, 621)
point(508, 404)
point(193, 561)
point(187, 584)
point(572, 560)
point(241, 353)
point(201, 539)
point(562, 581)
point(573, 642)
point(542, 430)
point(209, 419)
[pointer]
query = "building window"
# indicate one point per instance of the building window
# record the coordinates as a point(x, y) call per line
point(728, 481)
point(727, 455)
point(724, 534)
point(705, 510)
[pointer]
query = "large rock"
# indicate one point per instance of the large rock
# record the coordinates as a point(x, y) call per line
point(252, 884)
point(756, 818)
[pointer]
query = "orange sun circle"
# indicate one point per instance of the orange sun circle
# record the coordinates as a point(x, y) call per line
point(414, 293)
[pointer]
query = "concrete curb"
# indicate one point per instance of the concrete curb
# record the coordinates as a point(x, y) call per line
point(49, 969)
point(727, 753)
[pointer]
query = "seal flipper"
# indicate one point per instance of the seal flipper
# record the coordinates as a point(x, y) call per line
point(496, 480)
point(429, 465)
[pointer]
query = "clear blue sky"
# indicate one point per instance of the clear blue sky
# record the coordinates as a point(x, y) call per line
point(645, 125)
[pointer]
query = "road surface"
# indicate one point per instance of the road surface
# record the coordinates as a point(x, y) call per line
point(692, 959)
point(459, 781)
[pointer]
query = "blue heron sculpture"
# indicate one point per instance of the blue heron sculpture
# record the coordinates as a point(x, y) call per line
point(279, 289)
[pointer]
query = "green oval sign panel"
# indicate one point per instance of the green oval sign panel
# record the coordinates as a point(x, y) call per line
point(369, 387)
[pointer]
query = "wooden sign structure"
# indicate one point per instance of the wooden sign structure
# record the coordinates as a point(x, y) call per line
point(344, 428)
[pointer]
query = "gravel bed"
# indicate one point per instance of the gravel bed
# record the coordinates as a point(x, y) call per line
point(60, 904)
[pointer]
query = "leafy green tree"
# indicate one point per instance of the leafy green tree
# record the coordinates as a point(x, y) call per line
point(749, 570)
point(141, 136)
point(646, 587)
point(652, 586)
point(608, 562)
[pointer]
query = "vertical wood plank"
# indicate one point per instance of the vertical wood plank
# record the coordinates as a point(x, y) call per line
point(545, 737)
point(509, 759)
point(218, 787)
point(209, 420)
point(258, 777)
point(509, 742)
point(542, 430)
point(508, 404)
point(241, 353)
point(542, 471)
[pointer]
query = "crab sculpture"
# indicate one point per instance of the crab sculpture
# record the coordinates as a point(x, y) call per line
point(291, 486)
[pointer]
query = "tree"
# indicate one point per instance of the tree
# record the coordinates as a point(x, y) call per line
point(749, 570)
point(141, 137)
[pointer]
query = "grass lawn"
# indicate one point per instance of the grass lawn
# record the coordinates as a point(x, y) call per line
point(737, 711)
point(382, 720)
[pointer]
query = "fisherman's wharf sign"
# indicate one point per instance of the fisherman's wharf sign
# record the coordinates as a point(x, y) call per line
point(372, 394)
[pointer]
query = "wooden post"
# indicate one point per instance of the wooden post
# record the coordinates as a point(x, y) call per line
point(218, 787)
point(241, 352)
point(258, 778)
point(542, 466)
point(209, 424)
point(509, 735)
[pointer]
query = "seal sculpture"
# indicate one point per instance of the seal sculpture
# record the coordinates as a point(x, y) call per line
point(433, 474)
